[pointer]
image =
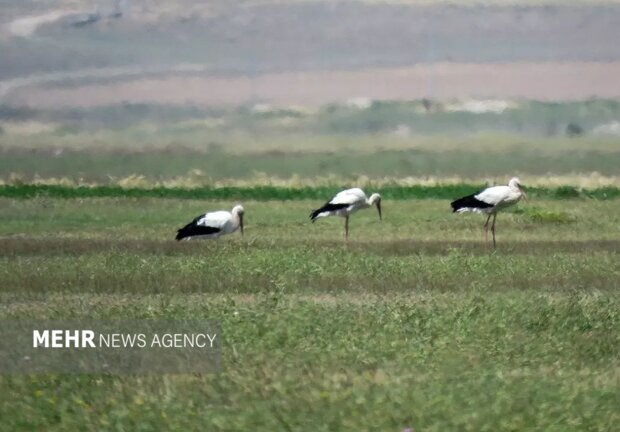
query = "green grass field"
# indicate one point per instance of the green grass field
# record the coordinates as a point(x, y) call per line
point(414, 323)
point(391, 191)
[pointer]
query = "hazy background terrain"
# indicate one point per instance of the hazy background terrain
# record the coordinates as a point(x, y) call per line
point(100, 90)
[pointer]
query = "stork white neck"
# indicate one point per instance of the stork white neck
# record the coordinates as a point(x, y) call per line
point(374, 198)
point(514, 183)
point(237, 214)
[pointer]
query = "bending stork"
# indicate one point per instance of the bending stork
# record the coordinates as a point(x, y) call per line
point(490, 201)
point(214, 224)
point(346, 203)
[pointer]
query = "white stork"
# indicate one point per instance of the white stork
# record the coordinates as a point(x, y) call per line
point(490, 201)
point(345, 203)
point(214, 224)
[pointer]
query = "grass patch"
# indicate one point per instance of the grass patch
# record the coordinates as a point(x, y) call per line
point(304, 362)
point(543, 216)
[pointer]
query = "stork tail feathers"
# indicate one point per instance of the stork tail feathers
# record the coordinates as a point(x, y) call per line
point(314, 215)
point(184, 232)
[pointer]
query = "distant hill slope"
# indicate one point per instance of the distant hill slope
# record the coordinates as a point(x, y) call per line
point(256, 37)
point(381, 50)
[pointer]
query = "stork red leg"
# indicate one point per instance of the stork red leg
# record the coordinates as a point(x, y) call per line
point(493, 229)
point(486, 229)
point(346, 227)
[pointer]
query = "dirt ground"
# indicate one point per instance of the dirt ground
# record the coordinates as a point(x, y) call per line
point(311, 53)
point(541, 81)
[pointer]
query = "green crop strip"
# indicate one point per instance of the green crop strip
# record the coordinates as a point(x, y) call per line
point(264, 193)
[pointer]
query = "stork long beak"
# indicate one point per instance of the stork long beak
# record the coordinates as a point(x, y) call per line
point(379, 209)
point(523, 192)
point(241, 224)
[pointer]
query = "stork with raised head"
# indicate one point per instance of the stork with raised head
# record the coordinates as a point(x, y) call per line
point(213, 225)
point(346, 203)
point(490, 201)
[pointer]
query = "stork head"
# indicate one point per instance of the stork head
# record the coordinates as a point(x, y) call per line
point(515, 183)
point(239, 211)
point(375, 199)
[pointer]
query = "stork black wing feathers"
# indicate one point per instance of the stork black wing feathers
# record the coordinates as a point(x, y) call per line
point(470, 201)
point(193, 229)
point(327, 207)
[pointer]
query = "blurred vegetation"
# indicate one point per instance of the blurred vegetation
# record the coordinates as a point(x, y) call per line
point(421, 117)
point(373, 139)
